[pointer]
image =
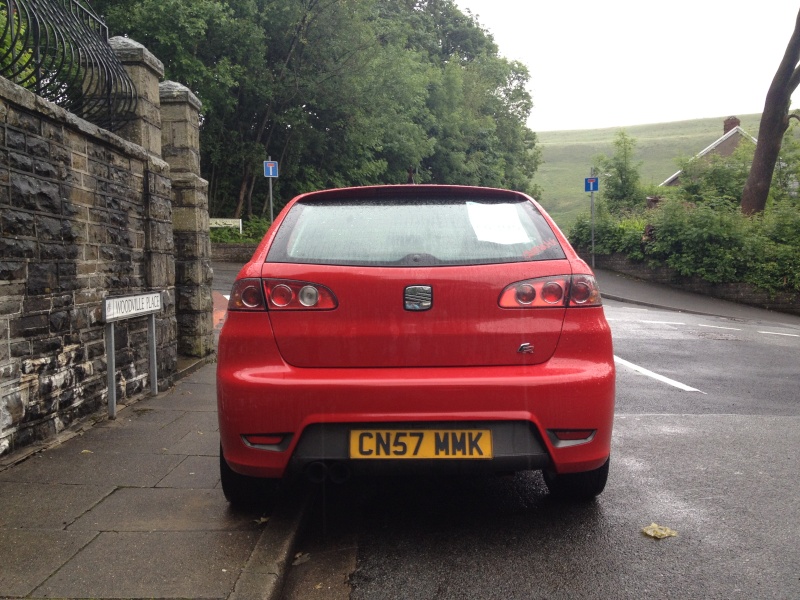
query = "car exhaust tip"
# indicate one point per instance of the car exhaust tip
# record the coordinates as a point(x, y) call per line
point(317, 472)
point(339, 472)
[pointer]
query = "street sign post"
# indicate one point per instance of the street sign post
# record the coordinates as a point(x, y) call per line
point(271, 172)
point(271, 169)
point(127, 307)
point(592, 184)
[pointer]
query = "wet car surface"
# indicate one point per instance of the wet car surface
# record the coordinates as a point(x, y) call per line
point(414, 327)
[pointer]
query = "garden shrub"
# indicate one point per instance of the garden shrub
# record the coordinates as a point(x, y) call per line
point(711, 240)
point(253, 229)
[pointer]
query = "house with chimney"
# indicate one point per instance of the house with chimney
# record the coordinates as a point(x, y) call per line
point(725, 145)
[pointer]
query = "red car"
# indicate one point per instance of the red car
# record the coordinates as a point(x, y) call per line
point(414, 326)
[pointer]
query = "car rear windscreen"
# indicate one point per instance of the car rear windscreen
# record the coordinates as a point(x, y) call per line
point(414, 232)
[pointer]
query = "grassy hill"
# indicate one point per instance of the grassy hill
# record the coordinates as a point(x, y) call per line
point(568, 157)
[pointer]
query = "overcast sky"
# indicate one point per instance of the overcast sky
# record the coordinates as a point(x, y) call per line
point(597, 64)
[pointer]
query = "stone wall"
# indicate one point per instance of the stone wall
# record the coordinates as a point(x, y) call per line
point(86, 215)
point(743, 293)
point(233, 253)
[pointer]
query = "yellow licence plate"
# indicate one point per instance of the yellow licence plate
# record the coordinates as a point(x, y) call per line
point(420, 443)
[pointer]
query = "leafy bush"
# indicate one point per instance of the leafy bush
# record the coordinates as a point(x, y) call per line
point(253, 230)
point(698, 229)
point(711, 240)
point(611, 234)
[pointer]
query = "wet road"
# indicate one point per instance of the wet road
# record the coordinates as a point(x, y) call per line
point(706, 442)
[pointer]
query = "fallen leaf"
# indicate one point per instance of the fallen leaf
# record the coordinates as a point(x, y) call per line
point(659, 531)
point(300, 558)
point(318, 586)
point(86, 452)
point(262, 520)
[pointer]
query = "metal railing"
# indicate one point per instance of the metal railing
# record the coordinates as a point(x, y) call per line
point(59, 50)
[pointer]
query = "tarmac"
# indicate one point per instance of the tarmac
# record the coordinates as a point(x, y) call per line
point(132, 507)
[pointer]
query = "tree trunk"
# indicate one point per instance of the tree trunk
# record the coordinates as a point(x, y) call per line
point(237, 214)
point(774, 123)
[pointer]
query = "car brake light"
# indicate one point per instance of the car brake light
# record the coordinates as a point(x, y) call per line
point(584, 291)
point(557, 291)
point(285, 294)
point(246, 295)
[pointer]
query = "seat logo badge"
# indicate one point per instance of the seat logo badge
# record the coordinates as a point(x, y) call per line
point(418, 297)
point(525, 348)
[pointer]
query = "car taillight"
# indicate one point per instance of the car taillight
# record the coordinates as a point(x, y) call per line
point(285, 294)
point(247, 295)
point(557, 291)
point(584, 291)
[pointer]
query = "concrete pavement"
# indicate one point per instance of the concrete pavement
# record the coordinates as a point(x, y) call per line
point(615, 286)
point(132, 508)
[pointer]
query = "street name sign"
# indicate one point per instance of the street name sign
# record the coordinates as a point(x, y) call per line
point(126, 307)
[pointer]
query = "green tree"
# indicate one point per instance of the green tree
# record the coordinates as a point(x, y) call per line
point(714, 177)
point(341, 92)
point(619, 175)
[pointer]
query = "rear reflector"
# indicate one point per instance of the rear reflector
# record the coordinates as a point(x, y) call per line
point(573, 434)
point(264, 439)
point(564, 438)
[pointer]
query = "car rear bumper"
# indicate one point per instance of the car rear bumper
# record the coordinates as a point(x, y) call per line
point(312, 410)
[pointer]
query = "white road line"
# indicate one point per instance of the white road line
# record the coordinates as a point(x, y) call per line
point(718, 327)
point(226, 296)
point(776, 333)
point(656, 376)
point(664, 322)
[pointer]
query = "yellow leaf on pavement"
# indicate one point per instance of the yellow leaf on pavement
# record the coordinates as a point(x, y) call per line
point(659, 531)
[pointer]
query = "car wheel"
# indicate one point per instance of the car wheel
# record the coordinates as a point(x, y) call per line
point(243, 491)
point(577, 486)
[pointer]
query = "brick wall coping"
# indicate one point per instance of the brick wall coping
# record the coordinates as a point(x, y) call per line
point(129, 51)
point(172, 92)
point(30, 101)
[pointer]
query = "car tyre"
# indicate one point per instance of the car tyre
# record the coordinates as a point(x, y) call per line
point(242, 491)
point(577, 486)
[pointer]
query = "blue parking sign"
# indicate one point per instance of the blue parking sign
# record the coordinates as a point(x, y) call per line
point(271, 168)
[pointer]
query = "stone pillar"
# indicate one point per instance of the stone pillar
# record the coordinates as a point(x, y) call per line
point(146, 71)
point(180, 139)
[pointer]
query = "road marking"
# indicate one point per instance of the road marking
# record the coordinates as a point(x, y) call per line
point(665, 322)
point(656, 376)
point(718, 327)
point(776, 333)
point(226, 296)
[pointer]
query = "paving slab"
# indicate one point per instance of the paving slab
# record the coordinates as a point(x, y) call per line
point(158, 564)
point(29, 557)
point(196, 472)
point(69, 464)
point(199, 443)
point(47, 506)
point(166, 509)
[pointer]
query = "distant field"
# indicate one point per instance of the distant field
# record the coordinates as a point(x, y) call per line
point(568, 157)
